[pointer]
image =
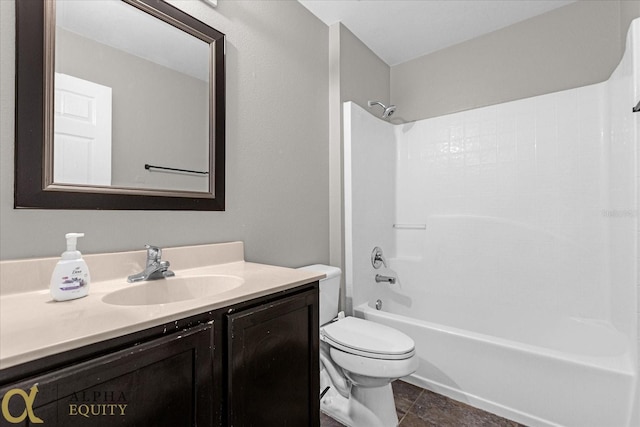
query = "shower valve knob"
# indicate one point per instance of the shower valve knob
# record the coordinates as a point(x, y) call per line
point(377, 258)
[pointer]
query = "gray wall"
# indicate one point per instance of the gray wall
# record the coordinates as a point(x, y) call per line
point(277, 149)
point(575, 45)
point(363, 75)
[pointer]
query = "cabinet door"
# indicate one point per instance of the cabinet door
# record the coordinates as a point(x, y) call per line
point(273, 373)
point(165, 382)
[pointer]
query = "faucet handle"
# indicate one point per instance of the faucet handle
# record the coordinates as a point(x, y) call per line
point(154, 253)
point(377, 258)
point(164, 268)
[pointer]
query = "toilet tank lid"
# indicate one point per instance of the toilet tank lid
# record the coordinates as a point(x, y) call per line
point(329, 270)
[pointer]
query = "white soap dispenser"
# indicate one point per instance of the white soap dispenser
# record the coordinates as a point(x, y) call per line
point(70, 279)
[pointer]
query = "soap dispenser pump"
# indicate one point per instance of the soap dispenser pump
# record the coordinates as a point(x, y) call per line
point(70, 279)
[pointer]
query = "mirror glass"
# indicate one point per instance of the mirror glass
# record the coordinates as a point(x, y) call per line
point(120, 104)
point(130, 91)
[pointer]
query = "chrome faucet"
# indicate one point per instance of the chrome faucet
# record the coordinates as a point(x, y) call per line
point(380, 278)
point(155, 269)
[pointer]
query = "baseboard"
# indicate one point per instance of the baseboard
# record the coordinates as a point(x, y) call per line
point(480, 403)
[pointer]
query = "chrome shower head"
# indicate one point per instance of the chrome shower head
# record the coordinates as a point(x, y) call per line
point(388, 111)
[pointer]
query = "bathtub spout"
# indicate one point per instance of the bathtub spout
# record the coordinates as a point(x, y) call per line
point(380, 278)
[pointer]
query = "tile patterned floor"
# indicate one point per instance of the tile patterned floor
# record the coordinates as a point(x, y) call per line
point(417, 407)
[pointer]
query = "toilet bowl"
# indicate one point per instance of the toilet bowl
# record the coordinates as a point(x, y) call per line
point(359, 360)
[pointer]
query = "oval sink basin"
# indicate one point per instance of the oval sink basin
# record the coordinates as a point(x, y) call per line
point(173, 289)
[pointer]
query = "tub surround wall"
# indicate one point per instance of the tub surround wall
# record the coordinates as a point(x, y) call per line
point(369, 198)
point(512, 197)
point(521, 210)
point(527, 203)
point(620, 150)
point(490, 194)
point(425, 87)
point(634, 162)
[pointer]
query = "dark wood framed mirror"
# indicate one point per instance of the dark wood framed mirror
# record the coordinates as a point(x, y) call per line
point(157, 88)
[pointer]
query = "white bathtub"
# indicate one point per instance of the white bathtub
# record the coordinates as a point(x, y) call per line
point(538, 369)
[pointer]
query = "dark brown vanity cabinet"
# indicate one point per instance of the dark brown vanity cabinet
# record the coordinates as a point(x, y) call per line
point(251, 364)
point(273, 364)
point(164, 382)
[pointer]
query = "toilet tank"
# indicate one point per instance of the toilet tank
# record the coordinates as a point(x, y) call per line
point(329, 291)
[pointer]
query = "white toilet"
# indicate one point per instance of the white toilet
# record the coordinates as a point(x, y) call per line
point(358, 361)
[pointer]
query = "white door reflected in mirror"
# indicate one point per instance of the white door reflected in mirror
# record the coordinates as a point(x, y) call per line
point(82, 132)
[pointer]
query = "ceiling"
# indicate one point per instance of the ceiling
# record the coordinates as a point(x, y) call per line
point(400, 30)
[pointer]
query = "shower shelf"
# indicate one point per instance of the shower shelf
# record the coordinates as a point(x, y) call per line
point(410, 226)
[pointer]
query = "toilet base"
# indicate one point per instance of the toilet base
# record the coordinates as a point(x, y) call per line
point(365, 407)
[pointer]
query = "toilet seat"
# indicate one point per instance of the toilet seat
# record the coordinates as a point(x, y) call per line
point(364, 370)
point(367, 339)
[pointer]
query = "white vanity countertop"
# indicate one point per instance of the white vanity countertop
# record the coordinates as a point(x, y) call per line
point(32, 325)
